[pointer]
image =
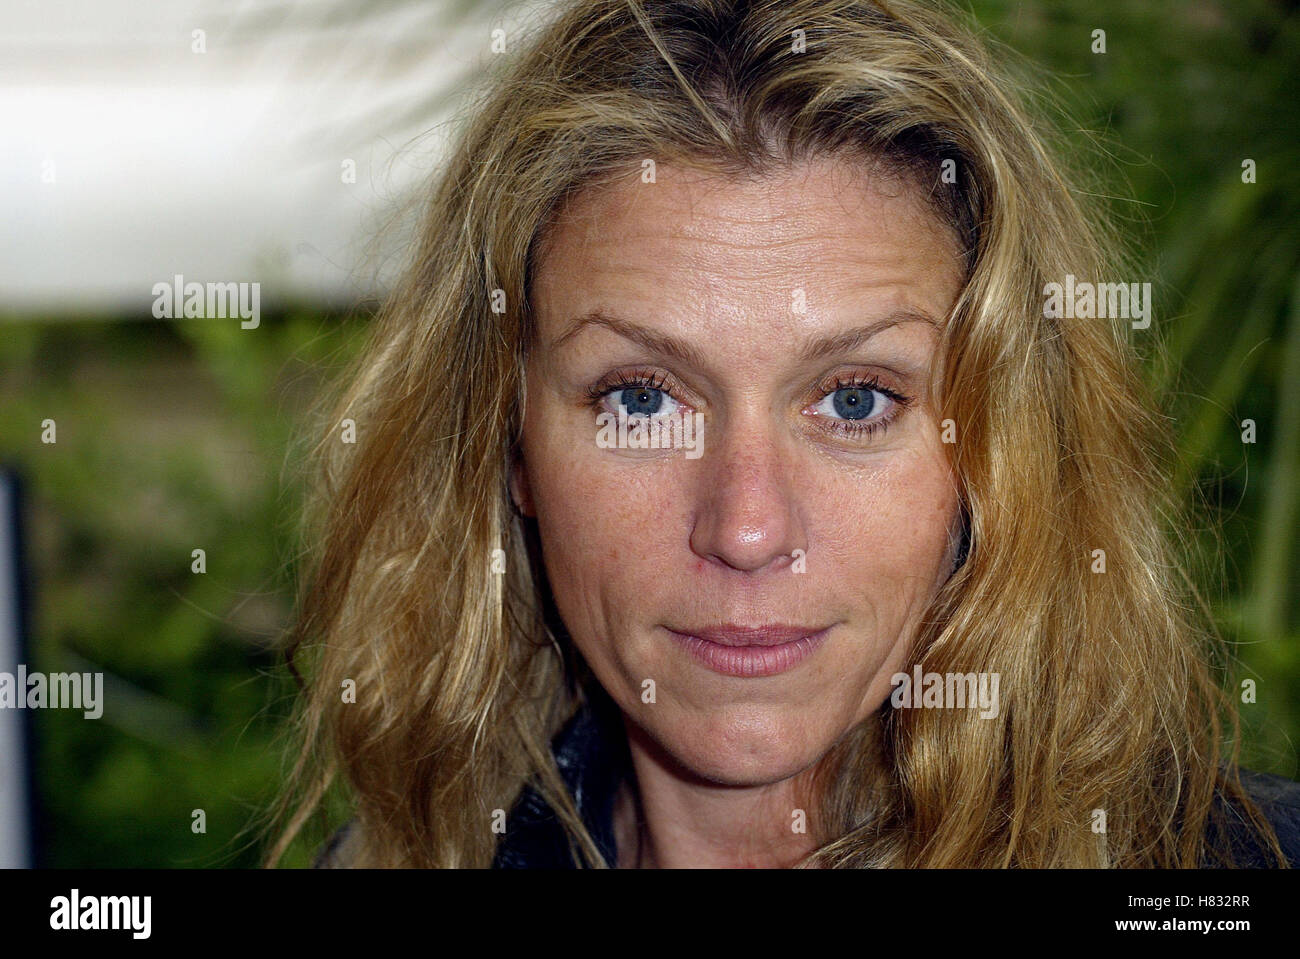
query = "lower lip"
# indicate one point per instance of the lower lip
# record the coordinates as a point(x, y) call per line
point(750, 661)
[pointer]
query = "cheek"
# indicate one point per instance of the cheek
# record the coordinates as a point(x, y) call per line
point(611, 526)
point(886, 547)
point(893, 524)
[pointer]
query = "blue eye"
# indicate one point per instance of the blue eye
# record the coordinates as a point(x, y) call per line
point(855, 403)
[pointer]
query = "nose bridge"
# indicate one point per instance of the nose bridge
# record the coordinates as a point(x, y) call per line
point(748, 514)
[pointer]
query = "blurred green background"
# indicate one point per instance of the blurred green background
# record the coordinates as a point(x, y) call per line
point(180, 434)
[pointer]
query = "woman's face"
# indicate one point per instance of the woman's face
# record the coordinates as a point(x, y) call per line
point(745, 600)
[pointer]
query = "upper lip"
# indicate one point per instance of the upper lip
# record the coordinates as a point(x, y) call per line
point(730, 635)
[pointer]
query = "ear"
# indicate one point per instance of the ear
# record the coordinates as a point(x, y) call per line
point(520, 490)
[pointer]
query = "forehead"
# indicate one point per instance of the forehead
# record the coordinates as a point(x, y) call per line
point(836, 232)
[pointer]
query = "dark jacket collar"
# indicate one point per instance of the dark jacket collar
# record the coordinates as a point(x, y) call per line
point(591, 753)
point(1279, 800)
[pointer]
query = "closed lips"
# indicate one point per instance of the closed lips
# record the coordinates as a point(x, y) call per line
point(752, 635)
point(751, 652)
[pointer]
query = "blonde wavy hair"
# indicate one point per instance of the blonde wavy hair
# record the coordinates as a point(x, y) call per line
point(1111, 696)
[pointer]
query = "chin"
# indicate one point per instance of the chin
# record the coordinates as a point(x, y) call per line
point(741, 747)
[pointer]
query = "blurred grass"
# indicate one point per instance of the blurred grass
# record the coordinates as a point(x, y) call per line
point(171, 436)
point(181, 434)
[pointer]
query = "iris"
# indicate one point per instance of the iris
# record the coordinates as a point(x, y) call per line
point(853, 404)
point(641, 401)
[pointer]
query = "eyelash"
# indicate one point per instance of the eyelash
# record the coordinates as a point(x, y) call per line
point(655, 380)
point(634, 380)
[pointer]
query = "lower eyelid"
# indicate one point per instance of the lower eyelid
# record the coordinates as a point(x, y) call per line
point(863, 428)
point(869, 429)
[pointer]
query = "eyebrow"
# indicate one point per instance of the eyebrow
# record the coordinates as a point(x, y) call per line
point(672, 346)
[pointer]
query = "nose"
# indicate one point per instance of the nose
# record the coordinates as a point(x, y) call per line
point(747, 516)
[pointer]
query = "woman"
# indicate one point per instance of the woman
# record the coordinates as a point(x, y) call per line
point(728, 490)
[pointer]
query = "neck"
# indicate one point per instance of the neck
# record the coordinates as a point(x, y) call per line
point(671, 819)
